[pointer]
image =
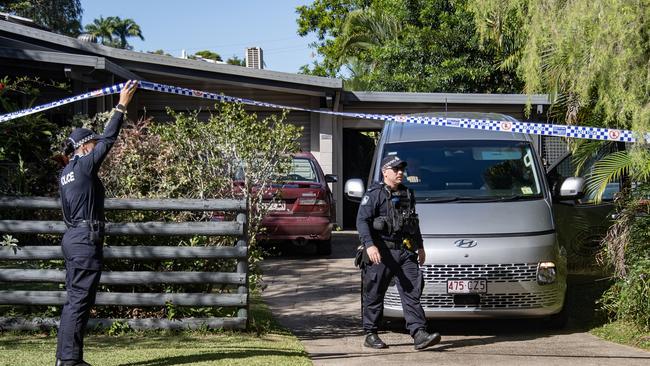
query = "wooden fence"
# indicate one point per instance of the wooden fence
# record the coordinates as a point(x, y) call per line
point(238, 252)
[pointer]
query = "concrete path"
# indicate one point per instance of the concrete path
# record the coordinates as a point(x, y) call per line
point(318, 299)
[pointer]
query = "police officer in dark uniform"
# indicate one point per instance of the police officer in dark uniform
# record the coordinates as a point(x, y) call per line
point(82, 199)
point(389, 229)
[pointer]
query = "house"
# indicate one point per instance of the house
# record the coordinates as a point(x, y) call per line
point(28, 50)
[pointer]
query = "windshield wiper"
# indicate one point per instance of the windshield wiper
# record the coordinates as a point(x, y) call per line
point(515, 197)
point(443, 199)
point(475, 199)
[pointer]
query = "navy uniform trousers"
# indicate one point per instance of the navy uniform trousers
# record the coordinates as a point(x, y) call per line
point(82, 249)
point(403, 265)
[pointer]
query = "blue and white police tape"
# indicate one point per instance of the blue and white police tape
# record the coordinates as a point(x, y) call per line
point(581, 132)
point(93, 94)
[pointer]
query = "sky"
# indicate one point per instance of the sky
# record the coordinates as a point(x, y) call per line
point(223, 26)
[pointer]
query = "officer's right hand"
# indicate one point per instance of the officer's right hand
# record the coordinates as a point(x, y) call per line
point(373, 254)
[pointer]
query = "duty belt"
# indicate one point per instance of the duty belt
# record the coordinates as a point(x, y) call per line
point(393, 245)
point(94, 225)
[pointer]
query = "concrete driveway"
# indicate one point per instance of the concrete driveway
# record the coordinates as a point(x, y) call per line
point(318, 299)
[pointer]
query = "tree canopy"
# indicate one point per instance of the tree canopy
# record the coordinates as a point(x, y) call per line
point(61, 16)
point(207, 54)
point(593, 56)
point(114, 31)
point(404, 45)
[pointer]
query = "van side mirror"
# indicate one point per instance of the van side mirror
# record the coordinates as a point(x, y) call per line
point(354, 189)
point(331, 178)
point(572, 188)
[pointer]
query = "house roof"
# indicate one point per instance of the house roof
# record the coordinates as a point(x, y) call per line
point(97, 63)
point(56, 42)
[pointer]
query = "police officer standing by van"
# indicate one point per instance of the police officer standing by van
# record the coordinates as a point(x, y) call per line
point(389, 230)
point(82, 198)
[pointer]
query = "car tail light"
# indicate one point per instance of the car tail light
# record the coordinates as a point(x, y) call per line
point(312, 203)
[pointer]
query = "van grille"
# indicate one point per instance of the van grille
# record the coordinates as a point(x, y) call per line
point(488, 301)
point(493, 273)
point(517, 272)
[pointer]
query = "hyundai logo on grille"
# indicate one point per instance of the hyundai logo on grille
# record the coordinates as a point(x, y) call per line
point(465, 243)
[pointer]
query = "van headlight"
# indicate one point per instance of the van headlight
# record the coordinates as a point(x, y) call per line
point(546, 273)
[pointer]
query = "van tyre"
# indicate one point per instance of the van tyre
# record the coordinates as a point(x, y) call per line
point(559, 320)
point(324, 247)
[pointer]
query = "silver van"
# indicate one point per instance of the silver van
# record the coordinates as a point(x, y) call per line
point(486, 218)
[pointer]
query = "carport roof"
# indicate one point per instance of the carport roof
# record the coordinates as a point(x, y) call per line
point(442, 98)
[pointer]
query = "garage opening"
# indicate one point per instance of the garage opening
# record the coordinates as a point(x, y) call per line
point(358, 149)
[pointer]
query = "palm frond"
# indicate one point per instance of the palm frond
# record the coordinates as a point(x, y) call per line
point(608, 169)
point(585, 151)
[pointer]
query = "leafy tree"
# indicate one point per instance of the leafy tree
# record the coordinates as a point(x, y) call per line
point(62, 16)
point(206, 54)
point(159, 52)
point(234, 60)
point(405, 45)
point(229, 154)
point(592, 57)
point(26, 167)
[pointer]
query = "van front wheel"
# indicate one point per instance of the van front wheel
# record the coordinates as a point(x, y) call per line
point(559, 320)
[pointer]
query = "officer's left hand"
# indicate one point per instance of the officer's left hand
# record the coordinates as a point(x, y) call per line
point(421, 256)
point(127, 92)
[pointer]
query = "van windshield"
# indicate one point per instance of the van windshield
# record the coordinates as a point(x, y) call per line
point(469, 170)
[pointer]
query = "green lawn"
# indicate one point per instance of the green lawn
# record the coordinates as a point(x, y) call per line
point(150, 349)
point(584, 292)
point(624, 333)
point(266, 344)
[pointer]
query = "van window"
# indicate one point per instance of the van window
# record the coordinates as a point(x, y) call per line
point(469, 169)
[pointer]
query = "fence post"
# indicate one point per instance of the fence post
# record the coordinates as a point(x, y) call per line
point(242, 267)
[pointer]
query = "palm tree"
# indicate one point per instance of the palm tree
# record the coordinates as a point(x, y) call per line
point(103, 29)
point(365, 29)
point(123, 29)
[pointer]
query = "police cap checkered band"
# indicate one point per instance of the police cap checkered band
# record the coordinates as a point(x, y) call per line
point(392, 162)
point(80, 136)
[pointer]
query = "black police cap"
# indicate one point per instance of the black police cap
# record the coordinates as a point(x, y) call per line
point(392, 161)
point(80, 136)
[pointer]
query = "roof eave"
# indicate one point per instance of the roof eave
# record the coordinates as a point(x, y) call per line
point(444, 98)
point(119, 54)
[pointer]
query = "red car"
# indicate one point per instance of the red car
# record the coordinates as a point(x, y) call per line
point(304, 209)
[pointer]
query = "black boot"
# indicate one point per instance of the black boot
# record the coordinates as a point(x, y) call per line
point(71, 363)
point(65, 363)
point(373, 341)
point(422, 339)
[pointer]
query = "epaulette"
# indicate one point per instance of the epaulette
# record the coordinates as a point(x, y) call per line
point(375, 186)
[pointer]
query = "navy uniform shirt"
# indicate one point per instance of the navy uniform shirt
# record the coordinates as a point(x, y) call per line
point(374, 204)
point(82, 192)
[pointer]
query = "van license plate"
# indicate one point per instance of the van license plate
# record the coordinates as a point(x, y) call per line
point(466, 286)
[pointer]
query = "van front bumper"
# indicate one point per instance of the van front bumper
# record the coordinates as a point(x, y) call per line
point(502, 300)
